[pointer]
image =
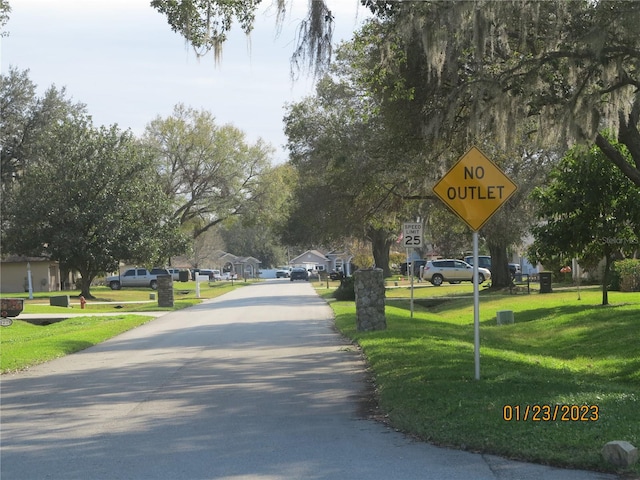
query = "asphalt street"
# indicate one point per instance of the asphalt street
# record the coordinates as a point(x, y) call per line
point(253, 385)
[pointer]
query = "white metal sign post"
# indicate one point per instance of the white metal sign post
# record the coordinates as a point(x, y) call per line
point(476, 308)
point(411, 238)
point(475, 188)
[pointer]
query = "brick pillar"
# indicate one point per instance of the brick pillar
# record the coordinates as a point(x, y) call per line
point(165, 291)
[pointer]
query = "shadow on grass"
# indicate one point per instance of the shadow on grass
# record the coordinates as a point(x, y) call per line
point(73, 346)
point(560, 331)
point(601, 343)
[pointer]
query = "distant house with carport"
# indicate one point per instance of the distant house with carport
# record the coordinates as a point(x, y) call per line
point(340, 261)
point(247, 267)
point(45, 274)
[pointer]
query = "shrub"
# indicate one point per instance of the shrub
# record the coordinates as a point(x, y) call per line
point(346, 291)
point(629, 271)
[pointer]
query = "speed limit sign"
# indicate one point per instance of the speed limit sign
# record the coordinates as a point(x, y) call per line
point(412, 235)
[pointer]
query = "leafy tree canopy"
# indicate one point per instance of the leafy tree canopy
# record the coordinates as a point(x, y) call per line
point(354, 171)
point(562, 68)
point(26, 119)
point(209, 172)
point(589, 210)
point(5, 10)
point(93, 200)
point(257, 232)
point(205, 24)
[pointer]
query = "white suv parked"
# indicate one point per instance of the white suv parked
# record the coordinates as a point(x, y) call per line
point(452, 271)
point(283, 272)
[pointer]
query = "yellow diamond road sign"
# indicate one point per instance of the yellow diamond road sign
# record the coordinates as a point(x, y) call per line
point(475, 188)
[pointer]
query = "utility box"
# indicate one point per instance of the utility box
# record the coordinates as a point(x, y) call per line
point(60, 301)
point(504, 317)
point(545, 282)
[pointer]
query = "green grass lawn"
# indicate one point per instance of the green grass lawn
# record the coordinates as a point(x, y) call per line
point(560, 351)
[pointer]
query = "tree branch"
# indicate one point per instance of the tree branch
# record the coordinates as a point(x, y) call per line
point(408, 197)
point(629, 134)
point(618, 159)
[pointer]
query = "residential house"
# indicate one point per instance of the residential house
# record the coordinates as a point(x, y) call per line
point(312, 260)
point(45, 275)
point(340, 261)
point(247, 267)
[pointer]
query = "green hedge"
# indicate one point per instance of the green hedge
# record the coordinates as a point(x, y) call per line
point(628, 272)
point(346, 291)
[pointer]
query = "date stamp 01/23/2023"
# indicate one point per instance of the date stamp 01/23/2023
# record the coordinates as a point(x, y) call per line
point(551, 413)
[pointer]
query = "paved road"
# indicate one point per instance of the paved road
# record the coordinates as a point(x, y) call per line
point(252, 385)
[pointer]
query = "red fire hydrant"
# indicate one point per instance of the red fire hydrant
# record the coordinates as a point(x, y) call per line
point(83, 302)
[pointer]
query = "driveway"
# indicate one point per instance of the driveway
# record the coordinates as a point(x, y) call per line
point(252, 385)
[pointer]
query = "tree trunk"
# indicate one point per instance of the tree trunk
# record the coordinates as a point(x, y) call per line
point(500, 275)
point(64, 278)
point(85, 285)
point(605, 279)
point(380, 244)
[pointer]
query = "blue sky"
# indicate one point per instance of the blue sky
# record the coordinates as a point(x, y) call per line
point(122, 60)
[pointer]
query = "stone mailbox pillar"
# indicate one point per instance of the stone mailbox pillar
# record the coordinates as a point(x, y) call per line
point(369, 289)
point(165, 291)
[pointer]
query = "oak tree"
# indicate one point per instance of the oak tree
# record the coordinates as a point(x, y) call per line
point(93, 199)
point(210, 172)
point(589, 211)
point(564, 69)
point(205, 25)
point(26, 120)
point(352, 177)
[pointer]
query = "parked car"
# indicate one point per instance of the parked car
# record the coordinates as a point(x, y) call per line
point(484, 261)
point(452, 271)
point(136, 277)
point(205, 272)
point(404, 268)
point(299, 273)
point(218, 275)
point(175, 273)
point(160, 271)
point(214, 274)
point(336, 275)
point(283, 272)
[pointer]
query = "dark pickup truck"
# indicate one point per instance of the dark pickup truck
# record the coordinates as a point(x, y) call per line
point(416, 267)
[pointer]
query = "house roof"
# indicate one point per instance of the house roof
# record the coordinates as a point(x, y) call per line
point(309, 256)
point(25, 259)
point(247, 260)
point(339, 254)
point(227, 257)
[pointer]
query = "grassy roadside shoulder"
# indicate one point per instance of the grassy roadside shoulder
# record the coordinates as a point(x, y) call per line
point(125, 300)
point(23, 344)
point(561, 351)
